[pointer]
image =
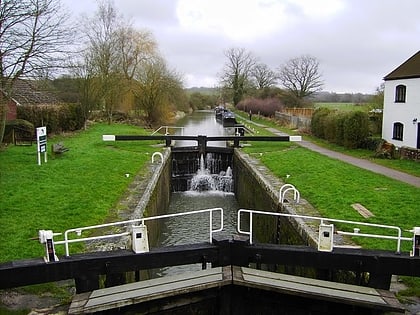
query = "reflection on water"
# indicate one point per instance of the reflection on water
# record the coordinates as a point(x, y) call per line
point(201, 123)
point(195, 228)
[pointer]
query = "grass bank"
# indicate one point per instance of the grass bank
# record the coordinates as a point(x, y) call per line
point(407, 166)
point(79, 188)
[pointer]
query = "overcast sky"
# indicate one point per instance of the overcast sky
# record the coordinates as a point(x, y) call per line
point(357, 42)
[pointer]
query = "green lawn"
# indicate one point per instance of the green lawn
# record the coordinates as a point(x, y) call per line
point(332, 186)
point(78, 188)
point(82, 187)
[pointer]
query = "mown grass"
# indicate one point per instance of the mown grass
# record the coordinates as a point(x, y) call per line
point(332, 186)
point(407, 166)
point(81, 187)
point(78, 188)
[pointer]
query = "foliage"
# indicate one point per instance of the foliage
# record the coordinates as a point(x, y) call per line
point(34, 38)
point(349, 129)
point(79, 188)
point(198, 100)
point(57, 118)
point(157, 91)
point(111, 60)
point(355, 129)
point(378, 98)
point(318, 122)
point(291, 100)
point(266, 107)
point(67, 88)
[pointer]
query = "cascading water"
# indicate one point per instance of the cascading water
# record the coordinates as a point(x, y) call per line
point(204, 180)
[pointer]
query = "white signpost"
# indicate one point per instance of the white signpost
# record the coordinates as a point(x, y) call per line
point(41, 139)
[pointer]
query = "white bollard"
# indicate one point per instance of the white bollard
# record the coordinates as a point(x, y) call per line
point(325, 238)
point(139, 239)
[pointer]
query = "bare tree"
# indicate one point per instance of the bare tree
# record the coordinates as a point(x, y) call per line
point(237, 72)
point(263, 76)
point(88, 85)
point(116, 51)
point(34, 38)
point(102, 46)
point(301, 77)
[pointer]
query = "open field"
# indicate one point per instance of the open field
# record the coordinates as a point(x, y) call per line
point(345, 106)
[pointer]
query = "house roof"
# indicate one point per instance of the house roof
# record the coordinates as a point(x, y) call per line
point(27, 92)
point(409, 69)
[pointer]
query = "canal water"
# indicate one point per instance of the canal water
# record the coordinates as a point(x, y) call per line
point(195, 228)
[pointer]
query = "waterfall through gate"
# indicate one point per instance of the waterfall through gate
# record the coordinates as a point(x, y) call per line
point(205, 179)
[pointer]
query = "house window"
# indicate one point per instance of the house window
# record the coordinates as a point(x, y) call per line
point(400, 93)
point(397, 133)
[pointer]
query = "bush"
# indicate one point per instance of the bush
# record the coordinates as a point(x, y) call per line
point(356, 129)
point(57, 118)
point(371, 143)
point(348, 129)
point(340, 120)
point(318, 122)
point(330, 127)
point(266, 107)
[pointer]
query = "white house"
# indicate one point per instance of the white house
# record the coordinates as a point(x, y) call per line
point(401, 113)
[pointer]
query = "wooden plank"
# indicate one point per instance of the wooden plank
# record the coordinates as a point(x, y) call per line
point(319, 289)
point(142, 291)
point(304, 280)
point(362, 210)
point(155, 282)
point(154, 289)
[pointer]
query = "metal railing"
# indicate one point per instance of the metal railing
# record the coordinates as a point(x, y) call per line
point(78, 231)
point(356, 231)
point(167, 128)
point(284, 189)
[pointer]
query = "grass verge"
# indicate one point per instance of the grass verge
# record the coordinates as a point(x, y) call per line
point(76, 189)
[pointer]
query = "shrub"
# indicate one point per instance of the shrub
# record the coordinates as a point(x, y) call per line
point(339, 136)
point(266, 107)
point(56, 118)
point(318, 122)
point(330, 127)
point(356, 129)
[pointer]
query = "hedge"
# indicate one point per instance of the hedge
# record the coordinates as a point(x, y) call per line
point(349, 129)
point(57, 118)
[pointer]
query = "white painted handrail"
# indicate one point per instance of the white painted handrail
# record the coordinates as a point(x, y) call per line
point(249, 232)
point(79, 230)
point(167, 128)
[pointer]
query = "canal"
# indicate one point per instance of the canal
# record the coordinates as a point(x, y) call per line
point(194, 229)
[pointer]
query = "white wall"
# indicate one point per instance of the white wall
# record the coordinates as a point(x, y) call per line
point(401, 112)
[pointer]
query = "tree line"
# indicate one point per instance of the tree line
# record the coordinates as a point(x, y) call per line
point(243, 75)
point(111, 65)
